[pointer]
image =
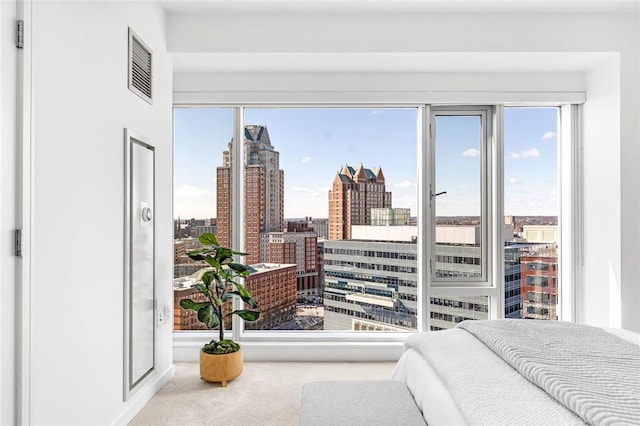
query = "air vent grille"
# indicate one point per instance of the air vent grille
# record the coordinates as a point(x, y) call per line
point(140, 69)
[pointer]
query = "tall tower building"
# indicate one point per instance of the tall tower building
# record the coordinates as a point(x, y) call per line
point(264, 191)
point(355, 192)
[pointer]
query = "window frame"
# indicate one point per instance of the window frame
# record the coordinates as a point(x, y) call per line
point(487, 225)
point(271, 345)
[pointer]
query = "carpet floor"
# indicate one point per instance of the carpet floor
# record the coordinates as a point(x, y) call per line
point(267, 393)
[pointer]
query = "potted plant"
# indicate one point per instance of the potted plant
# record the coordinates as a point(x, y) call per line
point(220, 360)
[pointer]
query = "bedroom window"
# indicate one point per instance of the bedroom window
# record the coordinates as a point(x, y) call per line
point(330, 218)
point(531, 205)
point(460, 196)
point(200, 135)
point(328, 215)
point(471, 218)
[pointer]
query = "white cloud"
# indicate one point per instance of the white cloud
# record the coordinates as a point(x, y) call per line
point(405, 184)
point(312, 191)
point(376, 112)
point(527, 153)
point(306, 159)
point(514, 181)
point(549, 135)
point(471, 152)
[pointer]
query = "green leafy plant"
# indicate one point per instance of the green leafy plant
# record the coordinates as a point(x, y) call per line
point(219, 285)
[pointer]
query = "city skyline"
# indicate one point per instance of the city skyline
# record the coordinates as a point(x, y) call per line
point(314, 144)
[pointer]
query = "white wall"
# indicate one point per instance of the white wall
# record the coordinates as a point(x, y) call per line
point(8, 53)
point(80, 110)
point(603, 48)
point(600, 300)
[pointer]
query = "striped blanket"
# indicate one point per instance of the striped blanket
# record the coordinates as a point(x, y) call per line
point(588, 370)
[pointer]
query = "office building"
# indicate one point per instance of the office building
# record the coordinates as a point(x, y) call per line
point(539, 283)
point(298, 248)
point(390, 217)
point(371, 280)
point(272, 285)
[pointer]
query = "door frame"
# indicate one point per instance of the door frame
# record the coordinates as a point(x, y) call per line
point(24, 213)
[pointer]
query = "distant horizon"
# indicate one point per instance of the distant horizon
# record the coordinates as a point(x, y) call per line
point(412, 217)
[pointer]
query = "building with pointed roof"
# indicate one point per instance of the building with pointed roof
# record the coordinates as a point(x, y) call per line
point(264, 191)
point(354, 193)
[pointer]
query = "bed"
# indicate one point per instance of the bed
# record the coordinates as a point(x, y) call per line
point(523, 372)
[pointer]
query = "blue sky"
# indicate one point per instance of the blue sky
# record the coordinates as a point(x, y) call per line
point(315, 143)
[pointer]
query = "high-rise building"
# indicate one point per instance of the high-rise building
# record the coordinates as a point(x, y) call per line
point(299, 248)
point(370, 285)
point(539, 283)
point(371, 280)
point(354, 193)
point(263, 187)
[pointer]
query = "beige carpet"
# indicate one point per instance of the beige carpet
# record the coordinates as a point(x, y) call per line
point(267, 393)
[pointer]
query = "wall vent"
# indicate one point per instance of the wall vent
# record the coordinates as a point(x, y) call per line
point(140, 75)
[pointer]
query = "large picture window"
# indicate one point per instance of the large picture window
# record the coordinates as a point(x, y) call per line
point(328, 213)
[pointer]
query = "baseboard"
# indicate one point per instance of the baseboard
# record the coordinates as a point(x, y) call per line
point(302, 351)
point(142, 396)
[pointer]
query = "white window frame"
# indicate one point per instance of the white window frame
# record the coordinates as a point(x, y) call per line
point(491, 282)
point(486, 195)
point(376, 346)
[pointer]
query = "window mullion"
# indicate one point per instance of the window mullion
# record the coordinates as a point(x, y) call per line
point(425, 217)
point(570, 218)
point(237, 204)
point(497, 301)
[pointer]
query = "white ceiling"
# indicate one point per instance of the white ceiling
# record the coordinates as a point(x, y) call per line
point(205, 60)
point(397, 6)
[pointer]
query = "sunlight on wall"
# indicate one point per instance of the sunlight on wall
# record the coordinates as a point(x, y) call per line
point(615, 301)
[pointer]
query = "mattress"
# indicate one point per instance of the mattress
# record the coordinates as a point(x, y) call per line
point(457, 379)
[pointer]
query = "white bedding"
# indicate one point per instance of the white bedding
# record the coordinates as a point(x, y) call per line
point(455, 379)
point(591, 372)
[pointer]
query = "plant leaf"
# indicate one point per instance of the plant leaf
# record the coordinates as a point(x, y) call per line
point(224, 254)
point(245, 295)
point(196, 255)
point(246, 314)
point(213, 261)
point(207, 278)
point(208, 239)
point(208, 316)
point(202, 289)
point(240, 269)
point(192, 304)
point(248, 300)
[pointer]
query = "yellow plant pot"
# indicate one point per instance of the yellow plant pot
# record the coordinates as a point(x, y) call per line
point(220, 368)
